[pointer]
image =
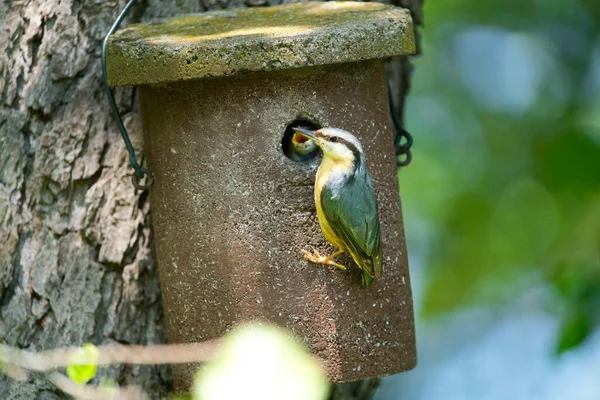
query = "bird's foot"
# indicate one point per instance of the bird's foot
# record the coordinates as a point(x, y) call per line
point(316, 258)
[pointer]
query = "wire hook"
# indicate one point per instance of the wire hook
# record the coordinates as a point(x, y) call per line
point(401, 149)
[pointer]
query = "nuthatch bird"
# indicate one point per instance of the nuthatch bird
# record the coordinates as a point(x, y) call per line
point(346, 202)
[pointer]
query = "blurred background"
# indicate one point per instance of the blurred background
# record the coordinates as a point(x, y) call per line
point(502, 202)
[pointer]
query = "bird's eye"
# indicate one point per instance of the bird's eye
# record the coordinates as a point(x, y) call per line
point(333, 139)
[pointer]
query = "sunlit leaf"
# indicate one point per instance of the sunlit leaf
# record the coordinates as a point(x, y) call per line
point(82, 367)
point(261, 361)
point(180, 396)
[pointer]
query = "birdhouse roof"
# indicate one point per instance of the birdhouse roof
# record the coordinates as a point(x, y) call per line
point(224, 43)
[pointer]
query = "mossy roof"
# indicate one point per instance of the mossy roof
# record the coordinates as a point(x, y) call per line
point(222, 43)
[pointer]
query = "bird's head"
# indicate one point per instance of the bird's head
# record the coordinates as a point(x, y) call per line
point(337, 144)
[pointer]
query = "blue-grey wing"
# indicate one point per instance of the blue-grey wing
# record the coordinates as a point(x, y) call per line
point(351, 211)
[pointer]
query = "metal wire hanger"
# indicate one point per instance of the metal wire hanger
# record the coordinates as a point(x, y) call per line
point(140, 172)
point(401, 133)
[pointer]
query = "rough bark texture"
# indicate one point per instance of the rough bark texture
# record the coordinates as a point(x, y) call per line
point(75, 242)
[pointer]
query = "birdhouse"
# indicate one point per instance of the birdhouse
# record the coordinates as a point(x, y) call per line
point(232, 210)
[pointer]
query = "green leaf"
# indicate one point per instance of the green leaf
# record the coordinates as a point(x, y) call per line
point(82, 366)
point(573, 332)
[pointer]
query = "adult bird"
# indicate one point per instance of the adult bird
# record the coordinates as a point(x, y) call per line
point(346, 202)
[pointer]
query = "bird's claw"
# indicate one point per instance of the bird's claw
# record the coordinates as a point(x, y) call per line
point(316, 258)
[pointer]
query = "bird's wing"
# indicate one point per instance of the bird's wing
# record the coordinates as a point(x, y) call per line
point(352, 214)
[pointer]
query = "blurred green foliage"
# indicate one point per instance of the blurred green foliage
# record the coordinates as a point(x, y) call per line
point(260, 361)
point(504, 189)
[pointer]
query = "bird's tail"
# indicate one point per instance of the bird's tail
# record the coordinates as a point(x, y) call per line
point(366, 278)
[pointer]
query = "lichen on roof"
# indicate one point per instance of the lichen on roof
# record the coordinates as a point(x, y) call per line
point(222, 43)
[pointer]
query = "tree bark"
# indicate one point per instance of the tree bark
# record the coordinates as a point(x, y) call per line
point(76, 263)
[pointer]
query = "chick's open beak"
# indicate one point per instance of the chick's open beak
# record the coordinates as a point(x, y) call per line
point(305, 132)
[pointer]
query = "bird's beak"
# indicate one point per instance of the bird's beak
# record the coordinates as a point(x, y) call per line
point(305, 132)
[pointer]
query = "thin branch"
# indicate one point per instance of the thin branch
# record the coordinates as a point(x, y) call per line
point(110, 354)
point(90, 392)
point(15, 372)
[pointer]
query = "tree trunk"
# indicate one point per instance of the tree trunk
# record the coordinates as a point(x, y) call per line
point(76, 263)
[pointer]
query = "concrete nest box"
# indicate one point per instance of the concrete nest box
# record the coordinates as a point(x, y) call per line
point(231, 211)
